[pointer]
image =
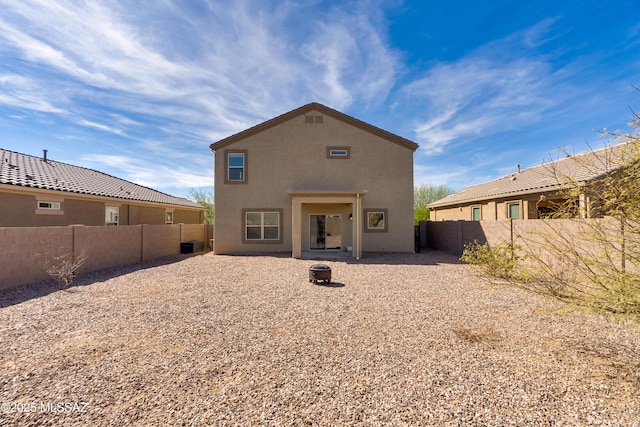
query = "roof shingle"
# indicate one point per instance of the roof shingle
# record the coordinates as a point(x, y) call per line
point(550, 176)
point(30, 171)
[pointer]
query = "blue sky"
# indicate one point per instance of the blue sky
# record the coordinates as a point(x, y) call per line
point(140, 89)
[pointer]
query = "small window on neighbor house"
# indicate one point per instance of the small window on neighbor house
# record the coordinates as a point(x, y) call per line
point(376, 220)
point(475, 213)
point(49, 205)
point(513, 210)
point(112, 216)
point(168, 217)
point(338, 152)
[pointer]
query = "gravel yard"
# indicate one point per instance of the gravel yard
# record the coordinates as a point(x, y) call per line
point(412, 339)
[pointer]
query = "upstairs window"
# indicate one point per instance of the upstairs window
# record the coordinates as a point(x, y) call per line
point(236, 167)
point(338, 152)
point(168, 217)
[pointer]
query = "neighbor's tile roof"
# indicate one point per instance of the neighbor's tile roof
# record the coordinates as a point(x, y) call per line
point(30, 171)
point(546, 177)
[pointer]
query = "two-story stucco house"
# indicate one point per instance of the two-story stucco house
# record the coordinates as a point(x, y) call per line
point(314, 179)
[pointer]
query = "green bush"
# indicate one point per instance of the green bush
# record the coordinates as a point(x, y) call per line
point(497, 261)
point(621, 295)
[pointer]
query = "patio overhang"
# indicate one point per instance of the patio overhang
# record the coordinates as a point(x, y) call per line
point(300, 197)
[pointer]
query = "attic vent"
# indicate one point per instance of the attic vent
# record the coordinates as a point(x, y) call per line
point(309, 120)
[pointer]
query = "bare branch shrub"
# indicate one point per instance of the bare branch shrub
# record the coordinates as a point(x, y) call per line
point(61, 265)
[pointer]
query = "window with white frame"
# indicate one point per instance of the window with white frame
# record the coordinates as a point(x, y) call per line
point(262, 225)
point(54, 206)
point(111, 216)
point(338, 152)
point(475, 213)
point(49, 207)
point(168, 217)
point(376, 220)
point(236, 167)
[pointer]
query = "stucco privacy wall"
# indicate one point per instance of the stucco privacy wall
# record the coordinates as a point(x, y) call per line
point(532, 236)
point(108, 246)
point(159, 241)
point(23, 249)
point(293, 156)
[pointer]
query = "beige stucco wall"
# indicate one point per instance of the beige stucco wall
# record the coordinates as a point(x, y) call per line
point(293, 156)
point(24, 250)
point(490, 210)
point(18, 209)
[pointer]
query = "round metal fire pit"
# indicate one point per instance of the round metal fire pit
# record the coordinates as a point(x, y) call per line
point(319, 272)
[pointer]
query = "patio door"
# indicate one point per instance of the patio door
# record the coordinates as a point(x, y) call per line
point(326, 232)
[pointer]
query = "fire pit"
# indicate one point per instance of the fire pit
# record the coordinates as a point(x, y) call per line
point(320, 272)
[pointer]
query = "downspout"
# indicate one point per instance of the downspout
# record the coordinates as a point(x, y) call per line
point(358, 228)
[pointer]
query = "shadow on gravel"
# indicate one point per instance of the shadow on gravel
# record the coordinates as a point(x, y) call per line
point(426, 257)
point(40, 289)
point(330, 285)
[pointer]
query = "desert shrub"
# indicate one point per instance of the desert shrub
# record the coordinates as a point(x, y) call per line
point(496, 261)
point(62, 266)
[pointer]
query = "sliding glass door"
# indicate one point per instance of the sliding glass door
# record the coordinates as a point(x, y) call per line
point(326, 232)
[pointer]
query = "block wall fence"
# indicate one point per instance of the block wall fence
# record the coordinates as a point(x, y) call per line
point(538, 237)
point(23, 250)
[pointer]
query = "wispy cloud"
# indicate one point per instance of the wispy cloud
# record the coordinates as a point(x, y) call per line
point(353, 60)
point(499, 87)
point(25, 93)
point(186, 73)
point(151, 175)
point(216, 67)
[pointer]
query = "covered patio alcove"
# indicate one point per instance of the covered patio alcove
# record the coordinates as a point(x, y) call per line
point(326, 221)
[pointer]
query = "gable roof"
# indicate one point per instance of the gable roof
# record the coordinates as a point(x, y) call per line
point(23, 170)
point(582, 168)
point(314, 106)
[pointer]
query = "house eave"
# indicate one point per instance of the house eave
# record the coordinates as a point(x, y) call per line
point(496, 196)
point(314, 106)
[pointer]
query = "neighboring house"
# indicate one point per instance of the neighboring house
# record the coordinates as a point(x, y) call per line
point(314, 179)
point(531, 193)
point(37, 191)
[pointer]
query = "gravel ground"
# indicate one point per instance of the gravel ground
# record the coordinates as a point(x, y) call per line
point(412, 339)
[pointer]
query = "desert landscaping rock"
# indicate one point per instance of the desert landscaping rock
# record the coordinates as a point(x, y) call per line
point(397, 339)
